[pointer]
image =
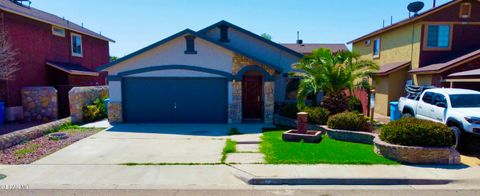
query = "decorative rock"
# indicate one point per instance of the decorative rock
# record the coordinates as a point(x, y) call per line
point(82, 96)
point(58, 136)
point(40, 103)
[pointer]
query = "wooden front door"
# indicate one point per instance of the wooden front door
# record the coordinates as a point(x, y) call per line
point(252, 97)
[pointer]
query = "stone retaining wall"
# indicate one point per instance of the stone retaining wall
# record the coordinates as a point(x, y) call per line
point(350, 136)
point(17, 137)
point(40, 104)
point(417, 155)
point(292, 123)
point(82, 96)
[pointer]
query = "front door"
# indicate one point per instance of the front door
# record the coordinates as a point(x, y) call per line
point(252, 97)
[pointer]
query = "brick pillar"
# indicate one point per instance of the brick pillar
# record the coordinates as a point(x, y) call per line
point(235, 107)
point(302, 122)
point(269, 101)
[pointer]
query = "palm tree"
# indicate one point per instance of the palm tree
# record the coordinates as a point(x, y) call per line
point(330, 73)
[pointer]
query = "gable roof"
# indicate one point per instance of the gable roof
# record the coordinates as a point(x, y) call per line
point(406, 21)
point(471, 73)
point(309, 48)
point(179, 34)
point(39, 15)
point(440, 67)
point(249, 33)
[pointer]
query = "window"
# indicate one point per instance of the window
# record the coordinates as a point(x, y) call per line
point(77, 45)
point(465, 10)
point(465, 101)
point(58, 31)
point(428, 97)
point(190, 40)
point(439, 36)
point(223, 33)
point(376, 48)
point(439, 99)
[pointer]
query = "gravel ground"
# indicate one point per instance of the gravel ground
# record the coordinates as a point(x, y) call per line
point(36, 149)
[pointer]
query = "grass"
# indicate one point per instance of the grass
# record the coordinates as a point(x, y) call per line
point(68, 127)
point(27, 150)
point(329, 151)
point(230, 147)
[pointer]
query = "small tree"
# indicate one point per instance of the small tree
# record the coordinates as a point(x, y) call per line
point(266, 36)
point(8, 63)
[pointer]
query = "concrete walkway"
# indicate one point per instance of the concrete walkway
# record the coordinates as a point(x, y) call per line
point(248, 150)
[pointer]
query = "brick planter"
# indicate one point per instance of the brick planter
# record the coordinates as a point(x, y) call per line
point(349, 136)
point(417, 155)
point(288, 122)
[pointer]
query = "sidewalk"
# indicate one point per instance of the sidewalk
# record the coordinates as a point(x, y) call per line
point(226, 177)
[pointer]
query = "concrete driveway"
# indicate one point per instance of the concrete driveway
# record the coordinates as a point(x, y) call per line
point(149, 143)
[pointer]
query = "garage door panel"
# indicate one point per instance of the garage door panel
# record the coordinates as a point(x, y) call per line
point(175, 100)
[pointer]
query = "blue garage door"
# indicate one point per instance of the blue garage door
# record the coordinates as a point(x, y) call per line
point(175, 100)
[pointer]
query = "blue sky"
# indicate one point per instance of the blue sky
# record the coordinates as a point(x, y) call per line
point(134, 24)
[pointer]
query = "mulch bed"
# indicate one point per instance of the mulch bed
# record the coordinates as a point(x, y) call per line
point(36, 149)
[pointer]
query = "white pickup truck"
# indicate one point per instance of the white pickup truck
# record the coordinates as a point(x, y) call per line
point(457, 108)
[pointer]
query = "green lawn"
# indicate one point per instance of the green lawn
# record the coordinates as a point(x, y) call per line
point(328, 151)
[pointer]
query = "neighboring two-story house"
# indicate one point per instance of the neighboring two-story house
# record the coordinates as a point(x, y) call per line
point(438, 47)
point(52, 51)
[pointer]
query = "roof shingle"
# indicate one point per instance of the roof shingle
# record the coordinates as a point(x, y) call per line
point(439, 67)
point(45, 17)
point(309, 48)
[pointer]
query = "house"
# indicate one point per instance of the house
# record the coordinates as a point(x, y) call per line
point(308, 48)
point(430, 48)
point(220, 74)
point(52, 51)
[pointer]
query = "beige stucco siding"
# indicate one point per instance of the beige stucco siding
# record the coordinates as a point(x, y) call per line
point(209, 56)
point(424, 79)
point(396, 46)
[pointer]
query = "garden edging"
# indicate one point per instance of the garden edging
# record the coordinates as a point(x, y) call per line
point(17, 137)
point(416, 154)
point(349, 136)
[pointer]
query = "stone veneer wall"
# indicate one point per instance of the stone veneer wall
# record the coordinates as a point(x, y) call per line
point(417, 155)
point(115, 112)
point(350, 136)
point(235, 108)
point(269, 101)
point(17, 137)
point(82, 96)
point(40, 104)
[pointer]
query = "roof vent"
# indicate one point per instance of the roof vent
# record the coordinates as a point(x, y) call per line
point(415, 7)
point(299, 41)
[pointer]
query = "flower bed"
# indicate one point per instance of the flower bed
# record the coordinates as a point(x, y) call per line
point(30, 151)
point(416, 154)
point(349, 136)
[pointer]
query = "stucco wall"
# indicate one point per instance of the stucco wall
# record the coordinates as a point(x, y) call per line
point(381, 95)
point(209, 56)
point(425, 79)
point(389, 88)
point(256, 48)
point(396, 46)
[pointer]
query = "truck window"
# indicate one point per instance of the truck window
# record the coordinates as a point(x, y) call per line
point(439, 98)
point(428, 97)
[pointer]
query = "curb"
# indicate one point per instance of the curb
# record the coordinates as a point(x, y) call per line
point(254, 180)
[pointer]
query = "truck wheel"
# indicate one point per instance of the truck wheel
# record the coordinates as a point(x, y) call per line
point(407, 115)
point(459, 138)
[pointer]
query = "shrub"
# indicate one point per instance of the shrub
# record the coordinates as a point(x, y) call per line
point(234, 131)
point(335, 103)
point(354, 104)
point(95, 111)
point(416, 132)
point(352, 121)
point(317, 115)
point(289, 110)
